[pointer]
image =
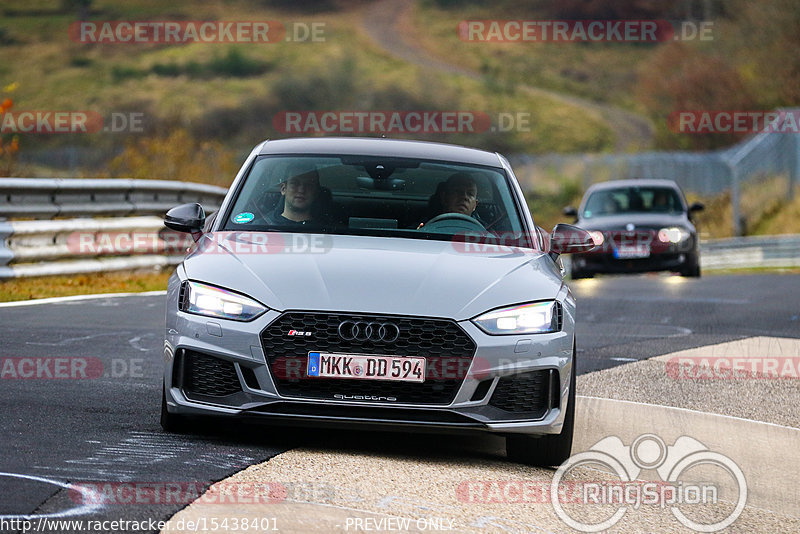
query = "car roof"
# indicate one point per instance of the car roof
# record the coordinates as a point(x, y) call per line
point(398, 148)
point(641, 182)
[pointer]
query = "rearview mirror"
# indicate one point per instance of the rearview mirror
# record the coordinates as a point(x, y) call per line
point(570, 211)
point(569, 239)
point(188, 218)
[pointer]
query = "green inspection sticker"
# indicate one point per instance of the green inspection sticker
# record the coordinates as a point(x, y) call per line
point(243, 218)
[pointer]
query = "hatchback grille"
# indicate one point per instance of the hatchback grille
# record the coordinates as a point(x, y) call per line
point(447, 348)
point(206, 375)
point(525, 394)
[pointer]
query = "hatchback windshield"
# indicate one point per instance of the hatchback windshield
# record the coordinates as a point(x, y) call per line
point(367, 195)
point(633, 200)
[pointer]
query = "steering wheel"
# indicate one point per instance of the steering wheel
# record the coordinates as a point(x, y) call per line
point(458, 221)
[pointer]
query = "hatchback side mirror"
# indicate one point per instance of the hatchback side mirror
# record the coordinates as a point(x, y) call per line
point(569, 239)
point(696, 206)
point(188, 218)
point(570, 211)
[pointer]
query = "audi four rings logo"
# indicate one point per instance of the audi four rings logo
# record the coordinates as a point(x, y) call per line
point(364, 331)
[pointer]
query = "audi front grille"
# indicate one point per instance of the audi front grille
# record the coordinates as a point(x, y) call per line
point(448, 351)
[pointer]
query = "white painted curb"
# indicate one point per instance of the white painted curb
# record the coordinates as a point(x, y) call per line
point(765, 452)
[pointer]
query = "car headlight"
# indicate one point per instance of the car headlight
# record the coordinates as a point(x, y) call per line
point(212, 301)
point(673, 235)
point(534, 318)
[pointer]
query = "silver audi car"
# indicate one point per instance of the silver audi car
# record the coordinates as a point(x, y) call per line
point(375, 283)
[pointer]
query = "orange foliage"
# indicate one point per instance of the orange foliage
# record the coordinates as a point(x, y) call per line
point(680, 78)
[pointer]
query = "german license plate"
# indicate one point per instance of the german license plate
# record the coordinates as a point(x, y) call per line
point(632, 252)
point(366, 367)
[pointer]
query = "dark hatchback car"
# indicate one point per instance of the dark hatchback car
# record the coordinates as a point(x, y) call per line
point(638, 226)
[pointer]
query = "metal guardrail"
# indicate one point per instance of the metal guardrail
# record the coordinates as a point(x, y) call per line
point(48, 198)
point(753, 251)
point(134, 237)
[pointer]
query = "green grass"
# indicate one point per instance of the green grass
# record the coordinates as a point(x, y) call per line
point(83, 284)
point(604, 72)
point(234, 101)
point(753, 270)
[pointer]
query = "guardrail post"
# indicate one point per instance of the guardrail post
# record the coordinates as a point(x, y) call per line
point(794, 170)
point(735, 211)
point(6, 254)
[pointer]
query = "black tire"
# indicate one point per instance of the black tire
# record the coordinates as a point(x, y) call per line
point(577, 275)
point(692, 269)
point(171, 422)
point(550, 449)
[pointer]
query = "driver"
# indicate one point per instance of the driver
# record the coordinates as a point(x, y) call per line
point(458, 194)
point(300, 190)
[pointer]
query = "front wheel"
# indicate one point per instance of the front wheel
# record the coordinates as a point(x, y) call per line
point(550, 449)
point(692, 269)
point(172, 422)
point(577, 275)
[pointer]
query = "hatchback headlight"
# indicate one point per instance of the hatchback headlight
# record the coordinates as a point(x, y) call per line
point(673, 235)
point(212, 301)
point(534, 318)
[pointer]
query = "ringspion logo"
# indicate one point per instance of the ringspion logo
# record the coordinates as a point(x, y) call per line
point(624, 490)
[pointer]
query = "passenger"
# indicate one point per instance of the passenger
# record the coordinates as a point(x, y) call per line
point(661, 200)
point(610, 205)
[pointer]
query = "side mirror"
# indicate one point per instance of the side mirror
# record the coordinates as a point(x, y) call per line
point(570, 211)
point(696, 206)
point(188, 218)
point(569, 239)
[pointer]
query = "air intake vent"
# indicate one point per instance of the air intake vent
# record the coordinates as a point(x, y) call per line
point(525, 394)
point(209, 376)
point(183, 297)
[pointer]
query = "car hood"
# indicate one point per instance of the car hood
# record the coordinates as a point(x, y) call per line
point(373, 274)
point(639, 220)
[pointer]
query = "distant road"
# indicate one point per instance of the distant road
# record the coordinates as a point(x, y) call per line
point(383, 19)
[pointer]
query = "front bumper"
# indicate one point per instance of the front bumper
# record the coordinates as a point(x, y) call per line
point(239, 382)
point(607, 263)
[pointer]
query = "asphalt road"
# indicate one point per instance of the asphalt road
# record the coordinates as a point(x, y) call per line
point(106, 429)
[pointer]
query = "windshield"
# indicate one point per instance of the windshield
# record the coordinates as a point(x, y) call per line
point(633, 200)
point(361, 195)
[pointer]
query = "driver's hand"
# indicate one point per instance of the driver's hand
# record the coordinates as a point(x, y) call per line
point(420, 225)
